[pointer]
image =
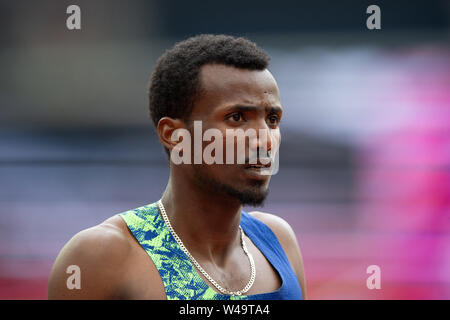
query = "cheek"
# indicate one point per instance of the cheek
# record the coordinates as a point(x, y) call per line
point(222, 172)
point(276, 136)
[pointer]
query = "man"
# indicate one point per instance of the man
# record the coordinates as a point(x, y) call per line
point(197, 243)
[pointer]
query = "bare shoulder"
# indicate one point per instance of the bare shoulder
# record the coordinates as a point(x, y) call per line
point(100, 255)
point(288, 240)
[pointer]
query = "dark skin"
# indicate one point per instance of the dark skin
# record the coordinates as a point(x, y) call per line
point(114, 265)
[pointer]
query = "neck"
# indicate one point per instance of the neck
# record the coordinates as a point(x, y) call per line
point(207, 222)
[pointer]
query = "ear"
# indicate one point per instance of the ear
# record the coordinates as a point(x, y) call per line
point(165, 128)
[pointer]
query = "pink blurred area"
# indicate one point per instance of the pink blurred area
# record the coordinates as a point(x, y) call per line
point(402, 194)
point(404, 183)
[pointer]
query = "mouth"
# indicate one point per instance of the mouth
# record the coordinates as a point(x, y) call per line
point(258, 171)
point(258, 165)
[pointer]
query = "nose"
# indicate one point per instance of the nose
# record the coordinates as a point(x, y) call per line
point(266, 139)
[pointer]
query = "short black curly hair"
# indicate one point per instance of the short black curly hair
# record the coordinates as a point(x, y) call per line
point(174, 83)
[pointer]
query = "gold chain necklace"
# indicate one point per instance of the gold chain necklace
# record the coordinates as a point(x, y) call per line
point(197, 265)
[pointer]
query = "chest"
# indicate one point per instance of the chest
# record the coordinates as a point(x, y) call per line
point(147, 280)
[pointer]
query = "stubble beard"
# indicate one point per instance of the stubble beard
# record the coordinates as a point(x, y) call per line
point(253, 195)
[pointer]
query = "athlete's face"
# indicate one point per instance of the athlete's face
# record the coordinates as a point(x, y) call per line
point(233, 98)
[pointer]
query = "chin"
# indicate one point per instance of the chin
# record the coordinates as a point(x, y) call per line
point(253, 196)
point(251, 192)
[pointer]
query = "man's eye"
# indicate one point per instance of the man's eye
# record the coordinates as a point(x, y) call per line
point(273, 119)
point(237, 116)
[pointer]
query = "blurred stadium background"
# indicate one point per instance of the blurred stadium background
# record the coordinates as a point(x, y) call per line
point(364, 164)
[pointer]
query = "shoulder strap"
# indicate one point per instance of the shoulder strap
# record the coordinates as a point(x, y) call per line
point(267, 242)
point(180, 279)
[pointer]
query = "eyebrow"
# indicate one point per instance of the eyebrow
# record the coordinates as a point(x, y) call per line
point(248, 108)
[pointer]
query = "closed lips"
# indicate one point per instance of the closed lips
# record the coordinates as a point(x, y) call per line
point(258, 165)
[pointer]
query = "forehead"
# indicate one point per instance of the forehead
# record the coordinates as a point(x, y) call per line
point(226, 85)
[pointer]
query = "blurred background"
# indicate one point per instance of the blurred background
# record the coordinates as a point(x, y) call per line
point(365, 156)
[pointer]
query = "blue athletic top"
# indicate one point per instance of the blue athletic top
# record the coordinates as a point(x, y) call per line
point(181, 279)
